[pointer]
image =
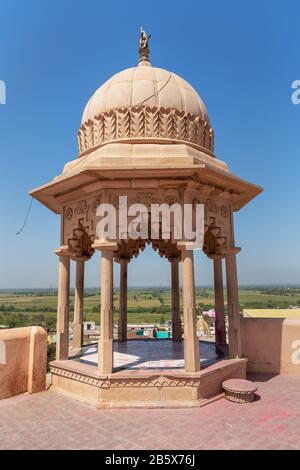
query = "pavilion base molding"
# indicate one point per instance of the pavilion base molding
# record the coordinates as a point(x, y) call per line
point(145, 388)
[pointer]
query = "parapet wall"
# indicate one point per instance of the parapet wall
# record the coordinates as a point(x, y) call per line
point(23, 360)
point(271, 345)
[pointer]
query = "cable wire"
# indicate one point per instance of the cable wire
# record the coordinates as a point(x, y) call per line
point(26, 218)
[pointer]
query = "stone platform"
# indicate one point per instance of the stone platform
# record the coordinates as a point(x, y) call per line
point(146, 374)
point(147, 354)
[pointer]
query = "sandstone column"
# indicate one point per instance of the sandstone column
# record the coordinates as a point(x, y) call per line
point(191, 342)
point(78, 305)
point(122, 327)
point(220, 330)
point(62, 329)
point(105, 344)
point(234, 332)
point(176, 322)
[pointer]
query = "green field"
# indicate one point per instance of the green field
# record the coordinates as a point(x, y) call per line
point(23, 308)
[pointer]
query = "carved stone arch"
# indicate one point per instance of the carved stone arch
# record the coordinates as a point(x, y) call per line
point(166, 248)
point(80, 244)
point(129, 249)
point(214, 239)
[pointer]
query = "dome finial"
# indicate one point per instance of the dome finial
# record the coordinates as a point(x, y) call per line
point(144, 47)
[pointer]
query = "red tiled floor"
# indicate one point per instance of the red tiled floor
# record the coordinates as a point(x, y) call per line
point(51, 421)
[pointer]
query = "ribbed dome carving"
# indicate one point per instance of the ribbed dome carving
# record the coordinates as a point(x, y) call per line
point(141, 104)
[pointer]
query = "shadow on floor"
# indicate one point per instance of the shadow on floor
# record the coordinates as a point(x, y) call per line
point(255, 377)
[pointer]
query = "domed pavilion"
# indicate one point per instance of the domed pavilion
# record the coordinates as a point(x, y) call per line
point(146, 134)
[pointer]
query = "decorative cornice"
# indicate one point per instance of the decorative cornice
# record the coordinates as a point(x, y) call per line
point(145, 122)
point(120, 382)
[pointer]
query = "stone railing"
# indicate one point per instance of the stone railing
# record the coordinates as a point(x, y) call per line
point(271, 345)
point(23, 360)
point(145, 122)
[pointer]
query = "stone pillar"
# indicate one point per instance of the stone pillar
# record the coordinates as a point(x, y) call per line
point(234, 328)
point(220, 329)
point(78, 305)
point(122, 327)
point(191, 342)
point(105, 344)
point(176, 322)
point(62, 329)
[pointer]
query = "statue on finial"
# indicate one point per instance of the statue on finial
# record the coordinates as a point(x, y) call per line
point(144, 46)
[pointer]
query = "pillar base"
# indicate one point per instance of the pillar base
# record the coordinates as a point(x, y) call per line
point(62, 346)
point(105, 365)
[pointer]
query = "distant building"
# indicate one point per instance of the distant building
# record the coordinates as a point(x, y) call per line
point(88, 326)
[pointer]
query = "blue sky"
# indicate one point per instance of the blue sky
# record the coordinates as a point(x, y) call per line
point(241, 57)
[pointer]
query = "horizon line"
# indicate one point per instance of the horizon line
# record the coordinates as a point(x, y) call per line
point(207, 286)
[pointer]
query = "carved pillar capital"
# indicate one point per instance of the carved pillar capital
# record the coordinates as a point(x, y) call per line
point(230, 251)
point(186, 245)
point(105, 245)
point(216, 256)
point(174, 259)
point(63, 251)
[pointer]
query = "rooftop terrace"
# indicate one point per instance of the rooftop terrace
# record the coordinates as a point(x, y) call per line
point(48, 420)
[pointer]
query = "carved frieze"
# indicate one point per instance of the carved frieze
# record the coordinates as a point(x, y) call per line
point(142, 122)
point(81, 207)
point(147, 198)
point(212, 205)
point(122, 382)
point(81, 215)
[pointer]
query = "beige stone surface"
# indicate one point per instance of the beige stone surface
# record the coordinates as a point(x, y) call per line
point(105, 363)
point(191, 341)
point(37, 361)
point(62, 328)
point(142, 163)
point(272, 345)
point(234, 340)
point(23, 360)
point(175, 297)
point(151, 86)
point(122, 326)
point(78, 305)
point(219, 303)
point(168, 388)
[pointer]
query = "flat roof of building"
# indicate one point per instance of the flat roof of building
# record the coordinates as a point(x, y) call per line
point(272, 312)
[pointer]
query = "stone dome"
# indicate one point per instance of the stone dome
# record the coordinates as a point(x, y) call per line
point(148, 86)
point(145, 104)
